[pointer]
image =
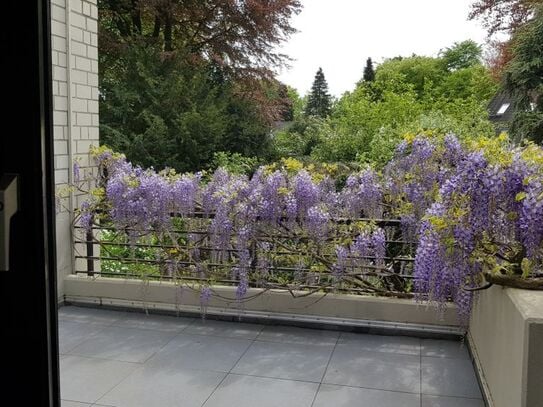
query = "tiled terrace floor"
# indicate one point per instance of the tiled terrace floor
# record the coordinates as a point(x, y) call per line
point(111, 358)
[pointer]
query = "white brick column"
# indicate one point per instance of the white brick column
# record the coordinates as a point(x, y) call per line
point(74, 30)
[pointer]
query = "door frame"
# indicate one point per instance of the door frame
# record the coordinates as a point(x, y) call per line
point(28, 290)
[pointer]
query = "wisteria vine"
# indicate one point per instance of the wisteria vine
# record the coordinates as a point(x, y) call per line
point(465, 209)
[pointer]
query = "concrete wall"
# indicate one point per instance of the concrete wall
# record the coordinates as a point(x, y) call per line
point(506, 339)
point(74, 29)
point(341, 309)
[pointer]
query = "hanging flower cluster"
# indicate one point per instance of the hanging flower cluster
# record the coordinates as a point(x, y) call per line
point(223, 219)
point(468, 208)
point(487, 217)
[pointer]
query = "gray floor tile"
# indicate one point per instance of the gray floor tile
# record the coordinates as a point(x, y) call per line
point(375, 370)
point(150, 386)
point(87, 379)
point(224, 328)
point(285, 361)
point(157, 322)
point(449, 377)
point(67, 403)
point(73, 333)
point(380, 343)
point(292, 334)
point(124, 344)
point(200, 352)
point(341, 396)
point(444, 349)
point(248, 391)
point(93, 316)
point(436, 401)
point(379, 368)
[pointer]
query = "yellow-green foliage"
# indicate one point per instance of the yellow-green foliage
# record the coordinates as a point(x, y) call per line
point(409, 95)
point(496, 150)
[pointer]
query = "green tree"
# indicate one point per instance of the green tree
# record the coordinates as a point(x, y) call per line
point(475, 81)
point(409, 95)
point(422, 73)
point(284, 98)
point(168, 112)
point(297, 102)
point(461, 55)
point(524, 79)
point(300, 139)
point(369, 72)
point(319, 101)
point(182, 79)
point(502, 17)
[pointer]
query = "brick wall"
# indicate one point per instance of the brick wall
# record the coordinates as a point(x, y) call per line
point(74, 30)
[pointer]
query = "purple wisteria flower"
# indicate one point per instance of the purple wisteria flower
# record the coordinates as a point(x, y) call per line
point(317, 223)
point(184, 193)
point(458, 205)
point(77, 171)
point(306, 192)
point(340, 266)
point(86, 216)
point(379, 246)
point(362, 195)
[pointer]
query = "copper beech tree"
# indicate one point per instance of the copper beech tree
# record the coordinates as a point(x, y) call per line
point(241, 35)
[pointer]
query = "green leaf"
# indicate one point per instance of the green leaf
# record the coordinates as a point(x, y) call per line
point(526, 266)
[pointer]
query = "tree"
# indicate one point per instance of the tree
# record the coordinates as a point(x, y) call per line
point(284, 98)
point(174, 113)
point(410, 95)
point(419, 72)
point(503, 16)
point(319, 101)
point(241, 35)
point(369, 72)
point(461, 55)
point(297, 103)
point(183, 79)
point(517, 61)
point(523, 79)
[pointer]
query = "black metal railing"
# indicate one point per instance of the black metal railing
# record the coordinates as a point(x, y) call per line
point(281, 256)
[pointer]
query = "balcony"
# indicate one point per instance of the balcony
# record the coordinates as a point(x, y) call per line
point(118, 358)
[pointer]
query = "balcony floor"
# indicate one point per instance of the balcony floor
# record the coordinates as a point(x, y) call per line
point(111, 358)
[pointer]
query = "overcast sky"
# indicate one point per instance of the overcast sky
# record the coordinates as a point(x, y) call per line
point(339, 35)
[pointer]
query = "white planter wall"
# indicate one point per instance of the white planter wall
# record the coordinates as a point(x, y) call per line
point(506, 339)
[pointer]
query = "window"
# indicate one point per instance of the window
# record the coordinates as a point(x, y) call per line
point(503, 109)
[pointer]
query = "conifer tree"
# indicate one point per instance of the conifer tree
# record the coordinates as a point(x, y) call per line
point(369, 72)
point(319, 101)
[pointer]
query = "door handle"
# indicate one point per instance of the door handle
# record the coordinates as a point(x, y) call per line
point(9, 205)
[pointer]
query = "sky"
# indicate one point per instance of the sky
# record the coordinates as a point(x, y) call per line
point(339, 35)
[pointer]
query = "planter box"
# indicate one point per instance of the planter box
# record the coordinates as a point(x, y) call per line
point(506, 340)
point(334, 310)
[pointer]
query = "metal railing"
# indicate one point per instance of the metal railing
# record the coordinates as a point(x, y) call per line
point(281, 256)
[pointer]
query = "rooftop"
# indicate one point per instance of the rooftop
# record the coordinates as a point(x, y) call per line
point(122, 359)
